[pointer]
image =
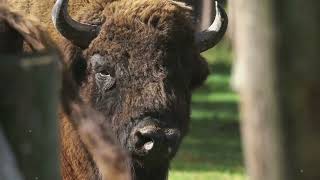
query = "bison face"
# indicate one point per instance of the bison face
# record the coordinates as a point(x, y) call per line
point(138, 69)
point(140, 78)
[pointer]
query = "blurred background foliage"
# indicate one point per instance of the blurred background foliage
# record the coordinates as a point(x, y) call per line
point(212, 150)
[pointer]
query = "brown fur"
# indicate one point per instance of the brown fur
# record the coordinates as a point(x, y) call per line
point(150, 49)
point(109, 157)
point(42, 10)
point(27, 27)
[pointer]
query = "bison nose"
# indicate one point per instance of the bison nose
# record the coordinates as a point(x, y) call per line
point(147, 140)
point(151, 142)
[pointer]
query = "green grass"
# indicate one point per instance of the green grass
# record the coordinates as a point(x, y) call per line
point(212, 150)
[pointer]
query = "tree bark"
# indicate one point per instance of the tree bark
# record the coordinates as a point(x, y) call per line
point(277, 77)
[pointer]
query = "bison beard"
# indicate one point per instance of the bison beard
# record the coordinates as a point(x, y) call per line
point(134, 62)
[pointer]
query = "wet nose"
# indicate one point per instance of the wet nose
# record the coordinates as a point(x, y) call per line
point(153, 142)
point(148, 139)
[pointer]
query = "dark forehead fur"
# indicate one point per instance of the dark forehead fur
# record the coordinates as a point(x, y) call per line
point(139, 26)
point(148, 31)
point(130, 9)
point(143, 33)
point(162, 16)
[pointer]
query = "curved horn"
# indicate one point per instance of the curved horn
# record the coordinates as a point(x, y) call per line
point(211, 36)
point(79, 34)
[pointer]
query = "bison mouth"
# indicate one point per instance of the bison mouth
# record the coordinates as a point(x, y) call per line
point(151, 145)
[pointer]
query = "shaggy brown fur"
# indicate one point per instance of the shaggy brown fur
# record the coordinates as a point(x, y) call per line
point(109, 157)
point(96, 8)
point(16, 27)
point(148, 47)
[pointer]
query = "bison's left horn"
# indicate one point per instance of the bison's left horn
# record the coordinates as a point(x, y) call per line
point(78, 33)
point(211, 36)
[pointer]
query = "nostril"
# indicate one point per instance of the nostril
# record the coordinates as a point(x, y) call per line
point(143, 141)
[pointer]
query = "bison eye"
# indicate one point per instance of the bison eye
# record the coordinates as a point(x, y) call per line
point(104, 81)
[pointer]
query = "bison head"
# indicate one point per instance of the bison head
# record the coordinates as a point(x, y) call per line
point(137, 62)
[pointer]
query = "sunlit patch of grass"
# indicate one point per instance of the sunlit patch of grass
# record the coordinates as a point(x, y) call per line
point(206, 175)
point(199, 114)
point(212, 150)
point(215, 97)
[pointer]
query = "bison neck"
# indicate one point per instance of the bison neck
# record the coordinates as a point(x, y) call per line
point(76, 162)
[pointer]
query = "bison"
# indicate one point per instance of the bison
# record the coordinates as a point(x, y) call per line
point(136, 62)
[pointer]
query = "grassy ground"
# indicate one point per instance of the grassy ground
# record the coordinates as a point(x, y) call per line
point(212, 151)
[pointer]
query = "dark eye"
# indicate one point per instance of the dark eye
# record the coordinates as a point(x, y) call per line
point(104, 81)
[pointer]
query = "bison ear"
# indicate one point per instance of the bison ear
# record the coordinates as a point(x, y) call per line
point(200, 72)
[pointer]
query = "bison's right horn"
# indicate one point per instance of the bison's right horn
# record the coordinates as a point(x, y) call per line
point(211, 36)
point(79, 34)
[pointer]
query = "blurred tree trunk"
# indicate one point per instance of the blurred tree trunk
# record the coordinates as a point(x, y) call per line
point(29, 95)
point(277, 75)
point(29, 116)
